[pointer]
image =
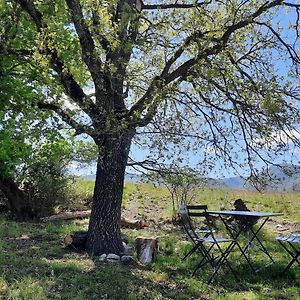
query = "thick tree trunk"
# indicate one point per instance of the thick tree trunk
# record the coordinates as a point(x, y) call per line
point(104, 234)
point(17, 200)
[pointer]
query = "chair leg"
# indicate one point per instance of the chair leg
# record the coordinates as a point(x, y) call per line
point(196, 246)
point(294, 259)
point(228, 264)
point(294, 256)
point(297, 252)
point(205, 259)
point(223, 259)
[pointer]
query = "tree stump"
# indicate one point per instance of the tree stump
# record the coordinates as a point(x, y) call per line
point(146, 249)
point(76, 240)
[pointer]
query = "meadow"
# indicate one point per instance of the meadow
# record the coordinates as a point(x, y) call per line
point(35, 265)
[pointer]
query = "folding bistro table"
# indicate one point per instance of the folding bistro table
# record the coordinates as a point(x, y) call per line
point(248, 218)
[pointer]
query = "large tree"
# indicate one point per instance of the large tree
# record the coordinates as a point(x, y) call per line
point(216, 73)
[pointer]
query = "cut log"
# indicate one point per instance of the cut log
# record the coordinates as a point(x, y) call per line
point(146, 249)
point(134, 223)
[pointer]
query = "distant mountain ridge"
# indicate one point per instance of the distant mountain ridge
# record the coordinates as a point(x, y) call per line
point(278, 178)
point(128, 177)
point(284, 178)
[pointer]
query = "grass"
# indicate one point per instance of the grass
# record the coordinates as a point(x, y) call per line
point(284, 202)
point(34, 264)
point(287, 203)
point(34, 267)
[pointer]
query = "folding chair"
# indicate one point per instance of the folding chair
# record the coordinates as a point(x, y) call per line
point(291, 240)
point(193, 233)
point(205, 244)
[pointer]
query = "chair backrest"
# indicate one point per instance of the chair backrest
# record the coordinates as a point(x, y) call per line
point(188, 211)
point(197, 210)
point(186, 221)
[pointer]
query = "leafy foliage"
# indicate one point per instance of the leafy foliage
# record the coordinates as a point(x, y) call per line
point(175, 76)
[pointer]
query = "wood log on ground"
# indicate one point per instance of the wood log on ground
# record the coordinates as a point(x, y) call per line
point(134, 223)
point(70, 215)
point(146, 249)
point(126, 222)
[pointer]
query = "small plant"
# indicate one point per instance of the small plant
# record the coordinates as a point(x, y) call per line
point(182, 184)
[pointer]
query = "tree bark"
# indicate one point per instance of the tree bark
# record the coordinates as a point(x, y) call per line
point(17, 199)
point(104, 234)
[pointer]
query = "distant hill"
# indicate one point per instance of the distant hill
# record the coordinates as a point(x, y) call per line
point(227, 183)
point(285, 178)
point(278, 178)
point(234, 182)
point(128, 177)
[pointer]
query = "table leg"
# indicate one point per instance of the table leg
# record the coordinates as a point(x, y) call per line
point(235, 238)
point(262, 247)
point(222, 260)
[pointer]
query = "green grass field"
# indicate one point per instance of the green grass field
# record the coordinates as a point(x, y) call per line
point(35, 265)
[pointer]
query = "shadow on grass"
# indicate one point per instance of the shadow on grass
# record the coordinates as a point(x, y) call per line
point(34, 265)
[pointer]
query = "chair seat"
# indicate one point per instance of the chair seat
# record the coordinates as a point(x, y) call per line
point(212, 239)
point(289, 238)
point(204, 230)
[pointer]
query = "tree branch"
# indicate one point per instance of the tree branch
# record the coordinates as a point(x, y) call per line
point(173, 5)
point(185, 67)
point(67, 79)
point(198, 34)
point(105, 44)
point(79, 128)
point(294, 56)
point(166, 78)
point(19, 52)
point(86, 41)
point(291, 4)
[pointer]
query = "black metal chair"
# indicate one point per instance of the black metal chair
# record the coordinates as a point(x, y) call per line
point(193, 233)
point(205, 241)
point(292, 250)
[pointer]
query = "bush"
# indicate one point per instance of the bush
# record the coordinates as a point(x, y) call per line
point(44, 178)
point(47, 191)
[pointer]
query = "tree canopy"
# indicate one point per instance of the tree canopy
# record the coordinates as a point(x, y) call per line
point(221, 76)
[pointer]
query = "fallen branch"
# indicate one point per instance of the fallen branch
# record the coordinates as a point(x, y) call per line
point(125, 222)
point(134, 223)
point(68, 216)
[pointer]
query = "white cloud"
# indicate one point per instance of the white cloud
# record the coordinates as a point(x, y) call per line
point(276, 138)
